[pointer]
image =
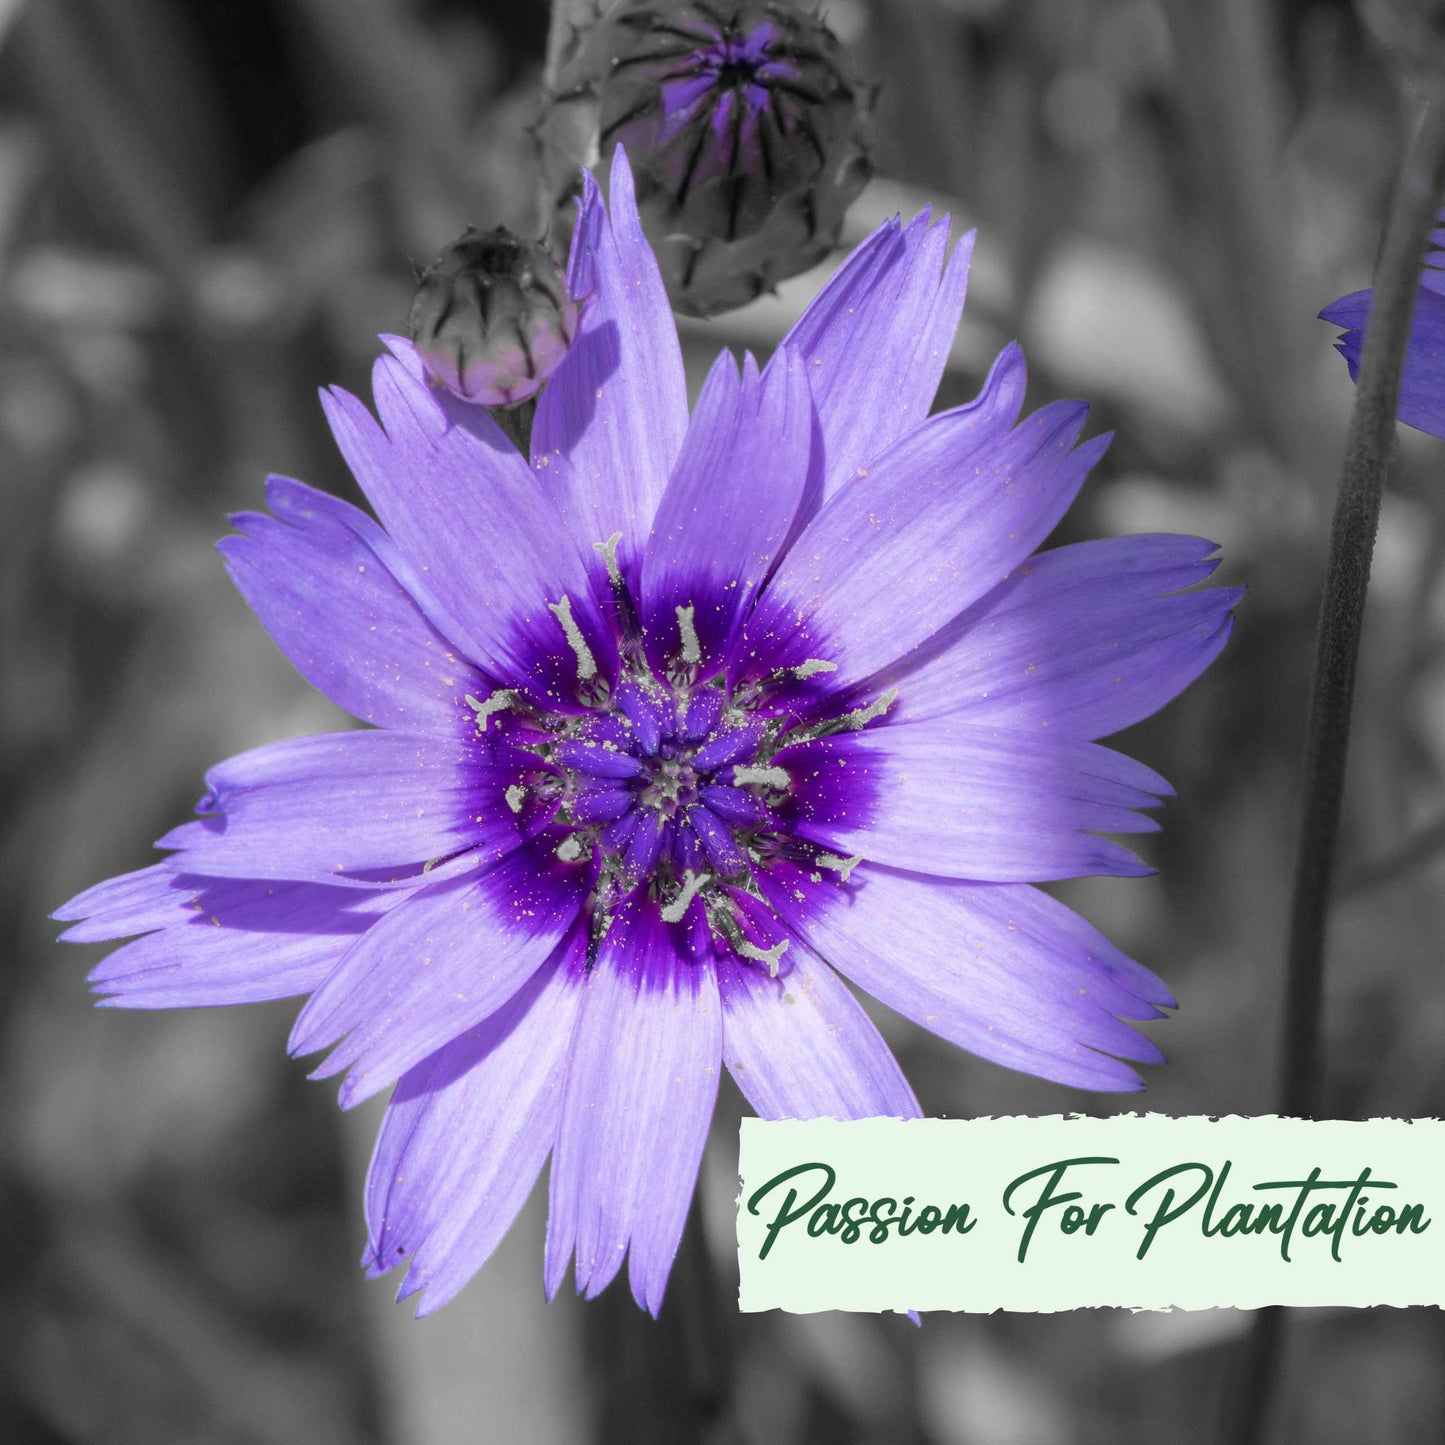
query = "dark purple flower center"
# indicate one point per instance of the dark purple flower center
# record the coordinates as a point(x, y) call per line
point(674, 789)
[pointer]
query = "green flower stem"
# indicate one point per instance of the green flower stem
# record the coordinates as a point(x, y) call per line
point(1369, 449)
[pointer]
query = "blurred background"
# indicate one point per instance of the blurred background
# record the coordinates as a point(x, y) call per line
point(207, 210)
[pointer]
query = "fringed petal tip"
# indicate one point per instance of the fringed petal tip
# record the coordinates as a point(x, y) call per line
point(1128, 1082)
point(648, 1296)
point(1422, 384)
point(415, 1282)
point(555, 1269)
point(648, 1290)
point(358, 1086)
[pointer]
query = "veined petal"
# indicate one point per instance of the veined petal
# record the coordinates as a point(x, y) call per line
point(728, 508)
point(800, 1047)
point(466, 1134)
point(611, 421)
point(1003, 971)
point(876, 339)
point(1083, 640)
point(641, 1085)
point(344, 621)
point(242, 941)
point(130, 903)
point(940, 520)
point(316, 806)
point(297, 503)
point(942, 796)
point(454, 954)
point(491, 543)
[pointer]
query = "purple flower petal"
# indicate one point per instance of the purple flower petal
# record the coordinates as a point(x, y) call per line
point(345, 623)
point(298, 504)
point(610, 423)
point(640, 1090)
point(242, 942)
point(130, 903)
point(800, 1047)
point(1005, 972)
point(1422, 385)
point(728, 508)
point(1085, 640)
point(938, 521)
point(946, 797)
point(337, 802)
point(466, 1134)
point(455, 953)
point(876, 339)
point(494, 548)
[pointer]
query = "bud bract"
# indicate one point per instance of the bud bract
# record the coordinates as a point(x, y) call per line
point(492, 318)
point(747, 131)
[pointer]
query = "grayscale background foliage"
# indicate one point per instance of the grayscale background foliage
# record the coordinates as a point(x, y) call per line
point(207, 210)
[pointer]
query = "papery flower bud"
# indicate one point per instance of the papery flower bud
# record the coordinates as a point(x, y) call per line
point(492, 318)
point(748, 134)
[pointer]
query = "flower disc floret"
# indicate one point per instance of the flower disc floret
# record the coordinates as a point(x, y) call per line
point(673, 792)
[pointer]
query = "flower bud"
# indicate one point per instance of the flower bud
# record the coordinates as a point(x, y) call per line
point(492, 318)
point(747, 133)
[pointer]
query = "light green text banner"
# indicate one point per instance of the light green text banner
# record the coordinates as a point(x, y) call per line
point(1059, 1213)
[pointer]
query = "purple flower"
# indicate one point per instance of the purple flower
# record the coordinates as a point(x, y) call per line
point(669, 726)
point(1422, 384)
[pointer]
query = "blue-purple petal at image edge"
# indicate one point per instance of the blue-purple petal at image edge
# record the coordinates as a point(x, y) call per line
point(1422, 383)
point(672, 725)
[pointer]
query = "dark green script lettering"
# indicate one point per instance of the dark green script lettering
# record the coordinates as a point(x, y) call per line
point(1306, 1215)
point(854, 1219)
point(1332, 1219)
point(788, 1214)
point(1073, 1217)
point(1167, 1212)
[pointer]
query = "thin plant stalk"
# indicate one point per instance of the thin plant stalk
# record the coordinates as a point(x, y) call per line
point(1369, 450)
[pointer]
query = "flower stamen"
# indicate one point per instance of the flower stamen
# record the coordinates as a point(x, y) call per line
point(692, 885)
point(762, 777)
point(609, 558)
point(722, 918)
point(691, 646)
point(842, 866)
point(499, 701)
point(586, 663)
